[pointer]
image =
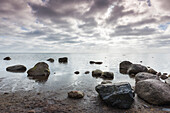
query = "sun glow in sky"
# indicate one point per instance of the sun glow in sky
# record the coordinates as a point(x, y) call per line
point(84, 25)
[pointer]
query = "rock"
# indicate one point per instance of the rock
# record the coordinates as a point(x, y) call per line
point(107, 75)
point(152, 71)
point(16, 68)
point(140, 61)
point(136, 68)
point(165, 73)
point(50, 60)
point(167, 81)
point(158, 74)
point(40, 69)
point(168, 75)
point(144, 75)
point(125, 65)
point(76, 72)
point(31, 111)
point(153, 91)
point(163, 77)
point(7, 58)
point(87, 72)
point(106, 82)
point(96, 73)
point(92, 62)
point(63, 60)
point(98, 62)
point(76, 94)
point(119, 94)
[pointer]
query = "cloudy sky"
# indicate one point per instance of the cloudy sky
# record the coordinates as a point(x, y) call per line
point(84, 25)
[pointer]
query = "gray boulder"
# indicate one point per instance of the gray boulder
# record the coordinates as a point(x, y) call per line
point(119, 94)
point(16, 68)
point(153, 91)
point(40, 69)
point(136, 68)
point(144, 75)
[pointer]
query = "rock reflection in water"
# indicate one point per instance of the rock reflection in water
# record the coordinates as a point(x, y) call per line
point(39, 79)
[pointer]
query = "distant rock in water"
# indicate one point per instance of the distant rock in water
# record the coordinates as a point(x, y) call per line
point(7, 58)
point(144, 75)
point(107, 75)
point(136, 68)
point(50, 60)
point(40, 69)
point(119, 95)
point(150, 70)
point(16, 68)
point(96, 73)
point(76, 72)
point(94, 62)
point(98, 62)
point(153, 91)
point(124, 66)
point(87, 72)
point(75, 94)
point(63, 60)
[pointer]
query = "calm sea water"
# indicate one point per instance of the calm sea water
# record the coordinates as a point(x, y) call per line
point(62, 75)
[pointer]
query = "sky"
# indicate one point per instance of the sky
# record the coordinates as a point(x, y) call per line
point(84, 26)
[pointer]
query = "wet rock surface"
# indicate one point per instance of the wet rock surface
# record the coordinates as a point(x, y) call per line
point(107, 75)
point(152, 71)
point(119, 95)
point(153, 91)
point(16, 68)
point(144, 75)
point(50, 60)
point(96, 73)
point(125, 65)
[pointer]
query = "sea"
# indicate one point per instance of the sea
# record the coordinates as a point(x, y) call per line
point(62, 76)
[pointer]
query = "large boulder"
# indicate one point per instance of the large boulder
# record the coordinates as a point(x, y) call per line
point(125, 65)
point(16, 68)
point(118, 94)
point(136, 68)
point(144, 75)
point(153, 91)
point(40, 69)
point(7, 58)
point(63, 60)
point(107, 75)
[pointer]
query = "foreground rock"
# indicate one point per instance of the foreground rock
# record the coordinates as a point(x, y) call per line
point(50, 60)
point(136, 68)
point(16, 68)
point(144, 75)
point(107, 75)
point(7, 58)
point(76, 94)
point(40, 69)
point(63, 60)
point(119, 95)
point(153, 91)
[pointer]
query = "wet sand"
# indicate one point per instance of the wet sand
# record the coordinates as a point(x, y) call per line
point(58, 102)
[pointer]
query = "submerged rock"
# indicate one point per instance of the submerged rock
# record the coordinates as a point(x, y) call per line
point(7, 58)
point(50, 60)
point(136, 68)
point(152, 71)
point(144, 75)
point(75, 94)
point(96, 73)
point(16, 68)
point(63, 60)
point(153, 91)
point(107, 75)
point(119, 94)
point(40, 69)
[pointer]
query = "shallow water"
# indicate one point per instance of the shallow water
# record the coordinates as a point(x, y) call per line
point(62, 76)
